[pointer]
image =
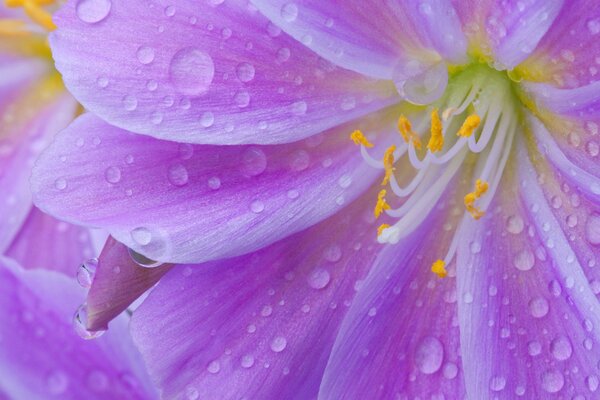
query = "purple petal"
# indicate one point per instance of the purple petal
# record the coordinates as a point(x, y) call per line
point(191, 203)
point(204, 73)
point(259, 326)
point(400, 337)
point(566, 56)
point(118, 281)
point(527, 313)
point(58, 245)
point(373, 38)
point(41, 355)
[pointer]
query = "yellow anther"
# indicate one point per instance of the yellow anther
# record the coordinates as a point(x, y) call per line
point(439, 268)
point(436, 141)
point(388, 164)
point(481, 187)
point(381, 228)
point(405, 128)
point(469, 126)
point(13, 27)
point(381, 204)
point(358, 138)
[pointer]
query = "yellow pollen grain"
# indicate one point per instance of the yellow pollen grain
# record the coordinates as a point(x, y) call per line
point(381, 228)
point(381, 204)
point(405, 128)
point(439, 268)
point(388, 164)
point(436, 141)
point(469, 126)
point(359, 139)
point(481, 187)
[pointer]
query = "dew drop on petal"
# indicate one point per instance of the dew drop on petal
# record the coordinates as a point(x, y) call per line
point(561, 348)
point(552, 381)
point(145, 54)
point(257, 206)
point(178, 175)
point(57, 382)
point(497, 383)
point(191, 71)
point(524, 260)
point(86, 272)
point(140, 260)
point(429, 355)
point(112, 174)
point(141, 236)
point(214, 367)
point(421, 86)
point(254, 161)
point(80, 323)
point(247, 361)
point(515, 224)
point(278, 344)
point(245, 72)
point(539, 307)
point(93, 11)
point(289, 12)
point(592, 229)
point(319, 278)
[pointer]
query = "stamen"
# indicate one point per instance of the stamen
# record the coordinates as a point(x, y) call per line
point(13, 27)
point(381, 205)
point(436, 142)
point(469, 126)
point(359, 139)
point(405, 128)
point(33, 9)
point(439, 268)
point(388, 164)
point(381, 228)
point(481, 188)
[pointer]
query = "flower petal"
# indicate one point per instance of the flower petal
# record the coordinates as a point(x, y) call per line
point(204, 73)
point(372, 38)
point(567, 54)
point(192, 203)
point(400, 337)
point(31, 114)
point(527, 313)
point(261, 325)
point(41, 355)
point(44, 242)
point(117, 282)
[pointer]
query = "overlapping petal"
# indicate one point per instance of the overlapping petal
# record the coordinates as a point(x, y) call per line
point(527, 313)
point(191, 203)
point(222, 73)
point(400, 338)
point(41, 355)
point(373, 38)
point(258, 326)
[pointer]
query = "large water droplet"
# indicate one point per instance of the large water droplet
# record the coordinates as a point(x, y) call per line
point(539, 307)
point(92, 11)
point(319, 278)
point(552, 381)
point(192, 71)
point(254, 161)
point(80, 323)
point(419, 84)
point(112, 174)
point(86, 272)
point(515, 224)
point(429, 355)
point(245, 72)
point(561, 348)
point(142, 260)
point(145, 54)
point(141, 236)
point(57, 382)
point(524, 260)
point(592, 229)
point(213, 367)
point(497, 383)
point(289, 12)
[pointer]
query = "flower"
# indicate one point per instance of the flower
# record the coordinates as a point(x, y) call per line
point(225, 133)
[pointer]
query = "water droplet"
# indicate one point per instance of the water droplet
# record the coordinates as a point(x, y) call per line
point(497, 383)
point(429, 355)
point(289, 12)
point(86, 272)
point(524, 260)
point(515, 224)
point(283, 54)
point(419, 84)
point(254, 161)
point(130, 102)
point(60, 183)
point(242, 98)
point(93, 11)
point(299, 160)
point(539, 307)
point(257, 206)
point(319, 278)
point(170, 11)
point(141, 236)
point(207, 119)
point(552, 381)
point(145, 54)
point(534, 348)
point(245, 72)
point(80, 324)
point(278, 344)
point(450, 371)
point(592, 383)
point(214, 183)
point(333, 253)
point(140, 260)
point(213, 367)
point(57, 382)
point(178, 175)
point(112, 174)
point(102, 82)
point(299, 108)
point(191, 393)
point(192, 71)
point(561, 348)
point(247, 361)
point(592, 229)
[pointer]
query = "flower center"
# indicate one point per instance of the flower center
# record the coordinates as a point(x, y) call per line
point(476, 117)
point(34, 10)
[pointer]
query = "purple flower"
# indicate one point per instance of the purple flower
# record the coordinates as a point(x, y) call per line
point(218, 138)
